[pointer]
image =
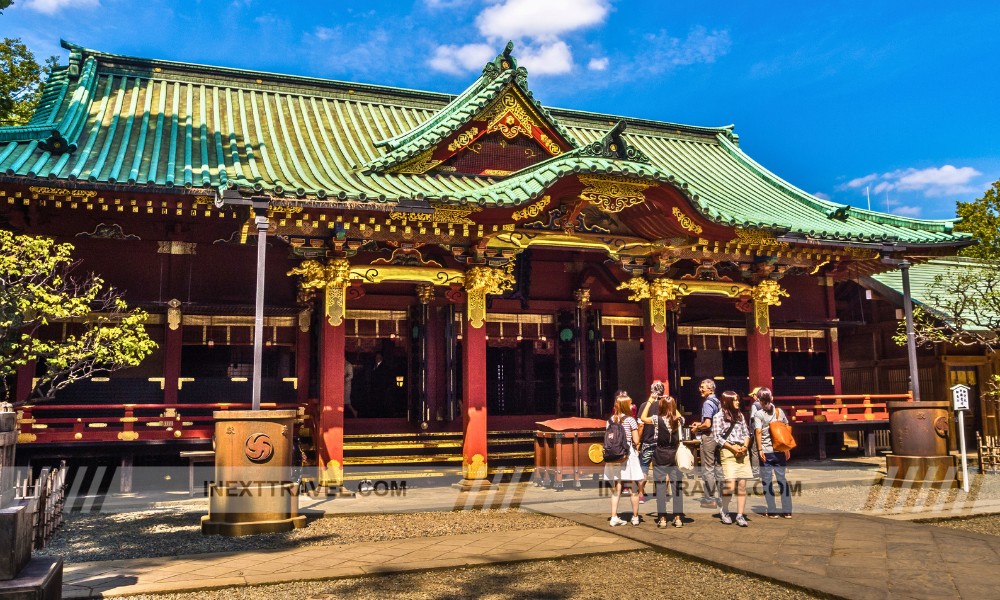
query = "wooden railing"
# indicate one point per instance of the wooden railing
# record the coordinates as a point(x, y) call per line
point(835, 408)
point(46, 497)
point(68, 423)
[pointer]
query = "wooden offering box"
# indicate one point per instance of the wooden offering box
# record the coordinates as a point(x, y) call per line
point(568, 449)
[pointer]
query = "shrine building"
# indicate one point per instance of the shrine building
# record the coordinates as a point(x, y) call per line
point(481, 260)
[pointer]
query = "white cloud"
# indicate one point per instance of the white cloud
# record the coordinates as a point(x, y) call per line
point(598, 64)
point(821, 195)
point(931, 182)
point(907, 211)
point(860, 181)
point(542, 21)
point(461, 59)
point(51, 7)
point(551, 59)
point(443, 4)
point(664, 52)
point(324, 33)
point(937, 181)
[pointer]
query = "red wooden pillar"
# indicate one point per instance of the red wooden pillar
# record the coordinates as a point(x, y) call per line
point(832, 345)
point(173, 338)
point(474, 401)
point(302, 357)
point(654, 349)
point(656, 353)
point(435, 363)
point(25, 382)
point(330, 438)
point(759, 348)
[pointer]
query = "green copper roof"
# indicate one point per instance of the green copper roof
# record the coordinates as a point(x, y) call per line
point(109, 119)
point(923, 278)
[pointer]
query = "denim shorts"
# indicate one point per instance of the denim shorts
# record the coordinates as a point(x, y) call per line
point(646, 456)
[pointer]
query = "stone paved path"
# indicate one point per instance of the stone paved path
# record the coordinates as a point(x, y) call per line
point(179, 573)
point(844, 555)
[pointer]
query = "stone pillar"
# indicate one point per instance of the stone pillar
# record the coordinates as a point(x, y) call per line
point(173, 338)
point(302, 356)
point(479, 282)
point(832, 345)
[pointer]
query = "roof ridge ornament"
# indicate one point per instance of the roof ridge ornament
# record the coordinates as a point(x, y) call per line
point(614, 146)
point(504, 62)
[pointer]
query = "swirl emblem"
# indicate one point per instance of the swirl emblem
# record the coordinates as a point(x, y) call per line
point(259, 448)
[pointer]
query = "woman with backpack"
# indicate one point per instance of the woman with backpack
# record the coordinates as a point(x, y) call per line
point(772, 463)
point(667, 424)
point(622, 437)
point(732, 438)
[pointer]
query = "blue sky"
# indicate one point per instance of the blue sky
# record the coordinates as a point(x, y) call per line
point(899, 99)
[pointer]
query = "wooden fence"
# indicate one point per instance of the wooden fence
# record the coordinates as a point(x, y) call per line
point(46, 495)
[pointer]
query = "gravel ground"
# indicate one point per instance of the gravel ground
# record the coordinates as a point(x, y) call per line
point(988, 524)
point(643, 573)
point(177, 531)
point(879, 499)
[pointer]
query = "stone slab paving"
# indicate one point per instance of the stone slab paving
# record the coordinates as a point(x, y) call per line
point(841, 554)
point(205, 571)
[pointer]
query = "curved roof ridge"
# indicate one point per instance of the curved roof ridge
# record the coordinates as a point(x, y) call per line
point(833, 209)
point(254, 74)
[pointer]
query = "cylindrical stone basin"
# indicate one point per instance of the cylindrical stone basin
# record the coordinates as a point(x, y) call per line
point(253, 491)
point(919, 428)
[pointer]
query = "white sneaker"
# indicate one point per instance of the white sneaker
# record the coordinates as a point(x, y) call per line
point(635, 521)
point(725, 518)
point(615, 521)
point(741, 520)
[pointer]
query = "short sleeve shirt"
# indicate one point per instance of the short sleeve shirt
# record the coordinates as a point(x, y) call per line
point(630, 425)
point(709, 408)
point(762, 422)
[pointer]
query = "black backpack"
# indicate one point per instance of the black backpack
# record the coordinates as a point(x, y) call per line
point(616, 442)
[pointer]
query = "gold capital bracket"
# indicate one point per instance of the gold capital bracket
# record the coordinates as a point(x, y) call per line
point(766, 294)
point(334, 277)
point(480, 281)
point(663, 294)
point(174, 314)
point(425, 293)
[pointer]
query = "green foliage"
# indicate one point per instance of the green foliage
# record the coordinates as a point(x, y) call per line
point(5, 4)
point(981, 217)
point(38, 288)
point(20, 81)
point(962, 309)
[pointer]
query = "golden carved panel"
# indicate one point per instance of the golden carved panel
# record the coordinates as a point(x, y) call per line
point(532, 210)
point(50, 191)
point(463, 139)
point(687, 222)
point(613, 194)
